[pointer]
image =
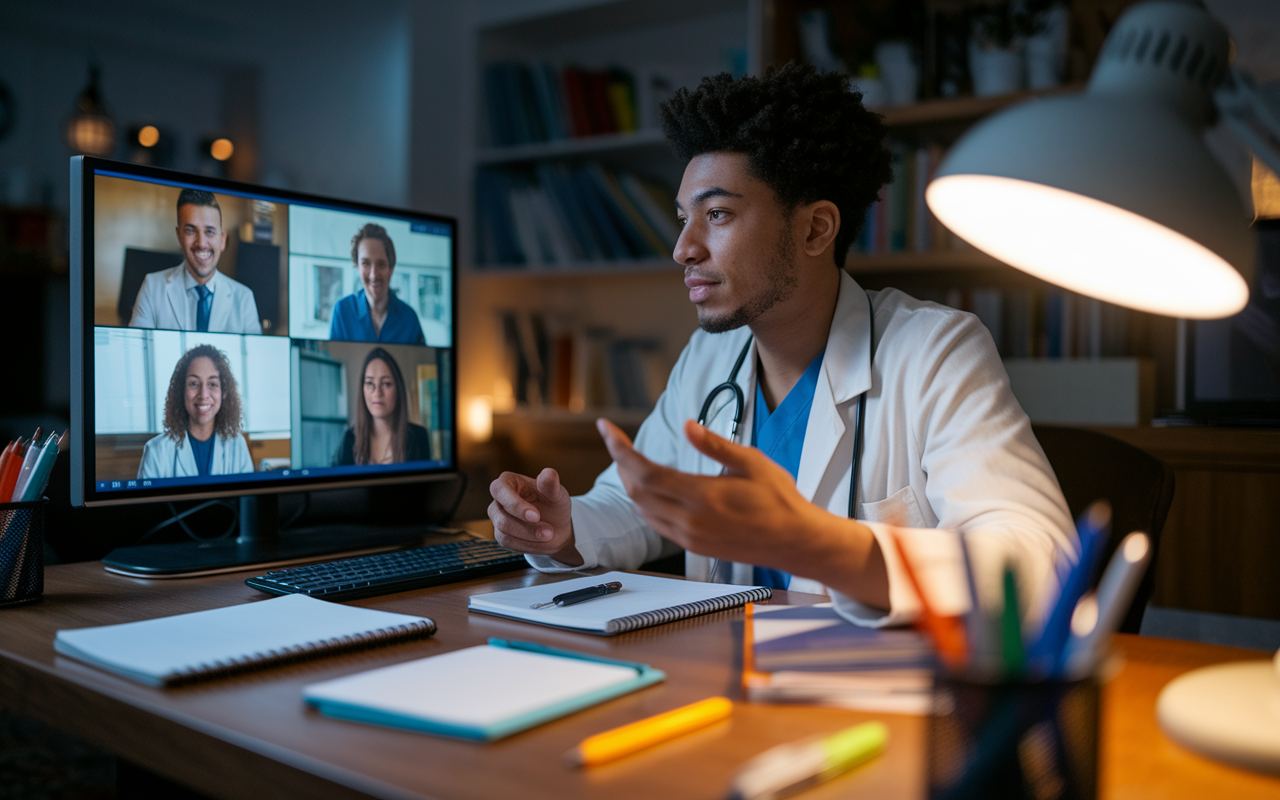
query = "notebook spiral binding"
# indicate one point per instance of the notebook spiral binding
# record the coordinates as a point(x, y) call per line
point(664, 615)
point(419, 629)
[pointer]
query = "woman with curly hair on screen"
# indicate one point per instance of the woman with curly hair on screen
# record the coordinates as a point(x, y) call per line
point(201, 422)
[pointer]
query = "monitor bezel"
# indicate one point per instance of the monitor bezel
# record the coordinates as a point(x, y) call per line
point(83, 436)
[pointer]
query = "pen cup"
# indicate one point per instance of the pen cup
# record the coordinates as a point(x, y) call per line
point(22, 552)
point(1014, 740)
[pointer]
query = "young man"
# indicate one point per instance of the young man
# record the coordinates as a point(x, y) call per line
point(195, 296)
point(781, 170)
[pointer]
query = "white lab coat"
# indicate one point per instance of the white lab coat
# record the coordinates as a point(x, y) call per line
point(164, 301)
point(162, 457)
point(947, 447)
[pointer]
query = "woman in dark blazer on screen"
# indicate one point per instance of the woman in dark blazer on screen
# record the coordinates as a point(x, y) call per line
point(382, 433)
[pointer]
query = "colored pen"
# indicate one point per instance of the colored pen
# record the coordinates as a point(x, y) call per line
point(1095, 620)
point(40, 473)
point(10, 476)
point(947, 633)
point(1015, 660)
point(581, 595)
point(34, 452)
point(1093, 526)
point(647, 732)
point(789, 768)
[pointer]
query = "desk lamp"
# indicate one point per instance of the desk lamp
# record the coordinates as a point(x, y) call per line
point(1112, 193)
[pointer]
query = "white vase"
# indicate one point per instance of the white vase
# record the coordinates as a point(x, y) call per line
point(899, 72)
point(1047, 51)
point(873, 92)
point(994, 70)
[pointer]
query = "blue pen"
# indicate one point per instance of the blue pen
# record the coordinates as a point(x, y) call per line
point(1045, 653)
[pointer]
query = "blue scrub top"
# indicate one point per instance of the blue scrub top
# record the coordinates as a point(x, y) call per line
point(351, 322)
point(780, 435)
point(203, 453)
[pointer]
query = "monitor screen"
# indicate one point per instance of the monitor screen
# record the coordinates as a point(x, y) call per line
point(230, 339)
point(1232, 365)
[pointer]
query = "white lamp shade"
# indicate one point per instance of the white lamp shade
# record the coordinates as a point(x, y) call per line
point(1113, 193)
point(1111, 197)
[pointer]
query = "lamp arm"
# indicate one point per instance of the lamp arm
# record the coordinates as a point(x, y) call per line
point(1251, 116)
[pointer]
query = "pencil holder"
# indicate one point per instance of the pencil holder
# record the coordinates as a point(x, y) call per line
point(1024, 740)
point(22, 552)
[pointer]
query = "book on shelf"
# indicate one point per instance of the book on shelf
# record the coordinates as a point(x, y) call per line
point(540, 102)
point(555, 215)
point(900, 220)
point(1042, 323)
point(553, 362)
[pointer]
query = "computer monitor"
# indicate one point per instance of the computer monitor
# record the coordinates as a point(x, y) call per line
point(1231, 366)
point(270, 342)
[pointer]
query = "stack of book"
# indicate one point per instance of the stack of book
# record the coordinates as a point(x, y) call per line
point(530, 103)
point(809, 654)
point(557, 215)
point(900, 221)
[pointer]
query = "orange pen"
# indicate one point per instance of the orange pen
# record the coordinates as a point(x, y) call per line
point(947, 632)
point(9, 477)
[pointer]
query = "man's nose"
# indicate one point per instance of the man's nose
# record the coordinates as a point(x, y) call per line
point(689, 249)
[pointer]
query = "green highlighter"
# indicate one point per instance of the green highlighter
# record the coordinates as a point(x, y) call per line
point(792, 767)
point(1015, 659)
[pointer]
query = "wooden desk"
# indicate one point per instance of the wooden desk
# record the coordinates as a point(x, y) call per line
point(252, 736)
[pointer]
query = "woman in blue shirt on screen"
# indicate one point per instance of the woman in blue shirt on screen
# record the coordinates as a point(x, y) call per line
point(373, 313)
point(201, 422)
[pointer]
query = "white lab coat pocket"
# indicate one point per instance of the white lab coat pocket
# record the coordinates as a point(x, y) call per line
point(899, 508)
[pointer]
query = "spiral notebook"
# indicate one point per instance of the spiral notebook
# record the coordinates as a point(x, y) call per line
point(222, 641)
point(644, 600)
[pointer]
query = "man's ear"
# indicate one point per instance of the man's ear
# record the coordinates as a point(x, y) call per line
point(824, 224)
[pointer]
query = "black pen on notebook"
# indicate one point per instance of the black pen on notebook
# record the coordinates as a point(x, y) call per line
point(581, 595)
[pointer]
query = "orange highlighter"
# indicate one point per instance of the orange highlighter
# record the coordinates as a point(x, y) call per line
point(644, 733)
point(9, 476)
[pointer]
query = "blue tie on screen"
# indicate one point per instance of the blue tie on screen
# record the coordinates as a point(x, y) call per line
point(203, 306)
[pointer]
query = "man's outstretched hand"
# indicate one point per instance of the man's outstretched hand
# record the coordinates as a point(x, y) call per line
point(531, 515)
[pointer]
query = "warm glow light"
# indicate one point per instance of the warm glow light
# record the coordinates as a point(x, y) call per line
point(1085, 617)
point(91, 134)
point(148, 136)
point(1088, 246)
point(479, 418)
point(221, 149)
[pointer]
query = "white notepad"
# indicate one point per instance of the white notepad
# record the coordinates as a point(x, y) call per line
point(210, 643)
point(482, 693)
point(643, 601)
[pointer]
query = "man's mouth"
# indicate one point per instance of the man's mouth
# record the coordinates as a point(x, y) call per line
point(700, 288)
point(203, 254)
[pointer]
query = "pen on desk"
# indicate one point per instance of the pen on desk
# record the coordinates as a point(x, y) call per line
point(647, 732)
point(789, 768)
point(581, 595)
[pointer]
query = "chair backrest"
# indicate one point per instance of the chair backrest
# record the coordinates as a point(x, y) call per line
point(138, 264)
point(1093, 466)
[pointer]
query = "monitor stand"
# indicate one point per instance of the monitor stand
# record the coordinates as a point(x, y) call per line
point(260, 545)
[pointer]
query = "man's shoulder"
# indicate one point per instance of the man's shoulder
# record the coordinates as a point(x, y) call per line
point(163, 277)
point(901, 317)
point(233, 285)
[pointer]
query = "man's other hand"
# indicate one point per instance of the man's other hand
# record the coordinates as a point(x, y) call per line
point(531, 515)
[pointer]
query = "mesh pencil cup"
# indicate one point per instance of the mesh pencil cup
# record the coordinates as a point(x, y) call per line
point(1014, 740)
point(22, 552)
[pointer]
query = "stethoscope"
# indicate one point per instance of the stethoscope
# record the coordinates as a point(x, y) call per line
point(739, 403)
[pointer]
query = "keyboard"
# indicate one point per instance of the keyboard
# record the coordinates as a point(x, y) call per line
point(400, 571)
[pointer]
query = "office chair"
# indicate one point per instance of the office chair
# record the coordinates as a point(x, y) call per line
point(1093, 466)
point(138, 264)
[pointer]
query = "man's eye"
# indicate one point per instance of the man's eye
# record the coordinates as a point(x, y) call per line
point(715, 214)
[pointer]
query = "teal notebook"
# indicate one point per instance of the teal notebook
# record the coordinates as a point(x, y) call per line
point(470, 694)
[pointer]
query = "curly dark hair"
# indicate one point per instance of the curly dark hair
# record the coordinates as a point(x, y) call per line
point(804, 134)
point(227, 421)
point(373, 231)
